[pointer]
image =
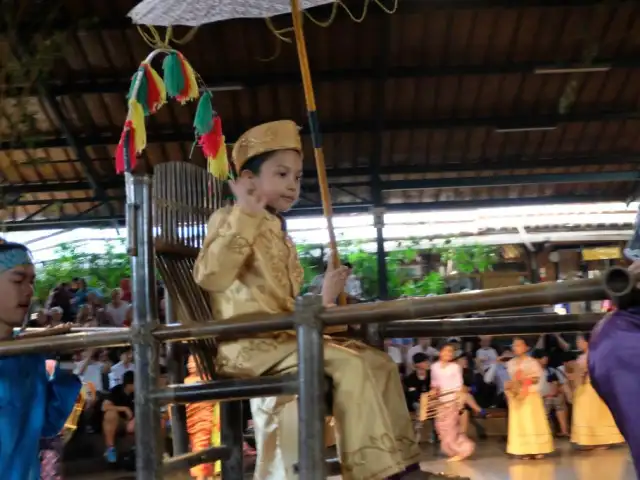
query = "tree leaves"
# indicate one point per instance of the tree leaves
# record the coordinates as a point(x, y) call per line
point(102, 271)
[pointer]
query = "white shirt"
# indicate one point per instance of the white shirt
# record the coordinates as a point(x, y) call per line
point(92, 374)
point(118, 314)
point(395, 353)
point(117, 373)
point(429, 351)
point(485, 357)
point(497, 374)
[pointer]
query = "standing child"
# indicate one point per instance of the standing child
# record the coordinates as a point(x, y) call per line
point(529, 431)
point(447, 381)
point(593, 425)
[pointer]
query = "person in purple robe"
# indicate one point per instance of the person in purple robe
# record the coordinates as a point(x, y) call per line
point(614, 366)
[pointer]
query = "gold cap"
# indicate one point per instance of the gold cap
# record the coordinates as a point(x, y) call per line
point(268, 137)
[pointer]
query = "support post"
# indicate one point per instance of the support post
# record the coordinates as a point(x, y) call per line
point(374, 335)
point(145, 319)
point(175, 369)
point(311, 398)
point(231, 436)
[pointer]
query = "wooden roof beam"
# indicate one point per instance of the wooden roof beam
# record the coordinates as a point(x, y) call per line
point(20, 50)
point(173, 134)
point(84, 220)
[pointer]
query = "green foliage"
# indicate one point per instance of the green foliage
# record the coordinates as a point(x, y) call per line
point(468, 259)
point(401, 278)
point(102, 271)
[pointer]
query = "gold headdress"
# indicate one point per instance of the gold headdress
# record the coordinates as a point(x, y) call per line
point(268, 137)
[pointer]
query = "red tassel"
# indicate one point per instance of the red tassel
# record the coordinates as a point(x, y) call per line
point(154, 99)
point(127, 138)
point(212, 141)
point(184, 93)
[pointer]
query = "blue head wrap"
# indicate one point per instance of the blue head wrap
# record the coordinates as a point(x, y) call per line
point(13, 255)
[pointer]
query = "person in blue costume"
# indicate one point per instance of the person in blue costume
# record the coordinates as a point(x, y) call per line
point(34, 403)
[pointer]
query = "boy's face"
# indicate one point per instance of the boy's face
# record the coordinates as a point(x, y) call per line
point(279, 179)
point(422, 366)
point(544, 361)
point(16, 285)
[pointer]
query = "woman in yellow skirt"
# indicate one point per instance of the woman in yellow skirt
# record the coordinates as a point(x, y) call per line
point(529, 431)
point(593, 425)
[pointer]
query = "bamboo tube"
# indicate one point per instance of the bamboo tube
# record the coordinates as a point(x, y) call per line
point(548, 293)
point(247, 325)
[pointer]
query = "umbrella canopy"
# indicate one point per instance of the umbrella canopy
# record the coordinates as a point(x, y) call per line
point(198, 12)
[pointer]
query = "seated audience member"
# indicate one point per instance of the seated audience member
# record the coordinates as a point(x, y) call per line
point(56, 316)
point(395, 352)
point(119, 369)
point(417, 382)
point(566, 377)
point(551, 393)
point(469, 401)
point(118, 414)
point(93, 367)
point(117, 308)
point(423, 346)
point(486, 355)
point(555, 346)
point(498, 375)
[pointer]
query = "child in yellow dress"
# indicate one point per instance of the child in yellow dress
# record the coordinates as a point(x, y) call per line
point(249, 265)
point(593, 425)
point(529, 431)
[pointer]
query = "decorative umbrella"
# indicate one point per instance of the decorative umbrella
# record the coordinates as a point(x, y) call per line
point(148, 92)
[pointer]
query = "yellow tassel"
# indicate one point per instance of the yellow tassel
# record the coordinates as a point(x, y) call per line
point(194, 92)
point(136, 115)
point(219, 165)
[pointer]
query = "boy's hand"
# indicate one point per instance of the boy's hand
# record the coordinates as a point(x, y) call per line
point(247, 196)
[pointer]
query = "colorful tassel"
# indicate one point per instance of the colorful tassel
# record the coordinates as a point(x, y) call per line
point(139, 81)
point(219, 165)
point(126, 140)
point(190, 89)
point(174, 79)
point(138, 128)
point(156, 91)
point(203, 121)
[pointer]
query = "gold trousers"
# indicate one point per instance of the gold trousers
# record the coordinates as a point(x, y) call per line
point(375, 434)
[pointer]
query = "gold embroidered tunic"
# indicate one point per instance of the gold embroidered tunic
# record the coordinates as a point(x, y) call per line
point(248, 264)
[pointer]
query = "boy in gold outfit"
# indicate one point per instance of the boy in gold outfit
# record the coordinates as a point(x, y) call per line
point(249, 264)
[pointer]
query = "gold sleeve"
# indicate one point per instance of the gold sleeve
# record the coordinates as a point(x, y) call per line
point(230, 236)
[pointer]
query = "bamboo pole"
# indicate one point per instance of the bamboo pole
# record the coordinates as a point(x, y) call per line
point(316, 136)
point(248, 325)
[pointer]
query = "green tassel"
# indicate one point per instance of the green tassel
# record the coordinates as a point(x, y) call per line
point(203, 121)
point(141, 97)
point(173, 78)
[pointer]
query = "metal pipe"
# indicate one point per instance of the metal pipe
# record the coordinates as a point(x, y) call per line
point(548, 293)
point(190, 460)
point(83, 338)
point(247, 325)
point(231, 435)
point(145, 347)
point(621, 287)
point(496, 326)
point(222, 390)
point(311, 397)
point(175, 370)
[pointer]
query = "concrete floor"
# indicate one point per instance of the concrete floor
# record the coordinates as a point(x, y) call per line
point(490, 463)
